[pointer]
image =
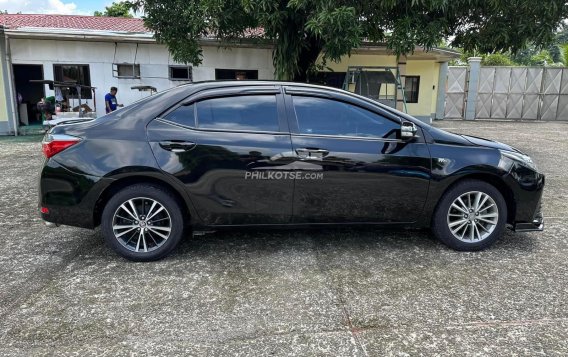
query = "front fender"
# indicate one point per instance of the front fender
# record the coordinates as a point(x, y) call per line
point(451, 164)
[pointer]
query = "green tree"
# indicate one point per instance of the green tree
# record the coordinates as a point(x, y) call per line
point(116, 9)
point(565, 53)
point(523, 57)
point(542, 58)
point(562, 35)
point(307, 31)
point(497, 59)
point(556, 53)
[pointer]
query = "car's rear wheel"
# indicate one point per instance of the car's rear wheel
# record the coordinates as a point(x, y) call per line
point(142, 222)
point(470, 216)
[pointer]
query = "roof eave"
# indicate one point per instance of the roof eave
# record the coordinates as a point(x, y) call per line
point(114, 36)
point(438, 54)
point(71, 34)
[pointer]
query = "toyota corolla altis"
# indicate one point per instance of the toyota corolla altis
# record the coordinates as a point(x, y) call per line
point(215, 155)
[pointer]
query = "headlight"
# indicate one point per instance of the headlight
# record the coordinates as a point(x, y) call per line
point(522, 159)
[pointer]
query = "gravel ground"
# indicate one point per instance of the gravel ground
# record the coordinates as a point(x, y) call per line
point(340, 292)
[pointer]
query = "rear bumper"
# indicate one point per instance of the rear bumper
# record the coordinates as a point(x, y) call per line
point(69, 197)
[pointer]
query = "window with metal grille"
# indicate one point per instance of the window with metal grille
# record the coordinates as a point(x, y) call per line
point(126, 70)
point(181, 73)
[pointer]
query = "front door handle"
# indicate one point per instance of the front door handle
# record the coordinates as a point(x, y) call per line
point(309, 153)
point(177, 145)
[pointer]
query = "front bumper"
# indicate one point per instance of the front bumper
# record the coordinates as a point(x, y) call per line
point(527, 186)
point(529, 227)
point(536, 225)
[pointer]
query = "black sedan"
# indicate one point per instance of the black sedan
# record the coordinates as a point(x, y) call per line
point(215, 155)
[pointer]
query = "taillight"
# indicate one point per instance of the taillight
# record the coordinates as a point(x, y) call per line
point(56, 143)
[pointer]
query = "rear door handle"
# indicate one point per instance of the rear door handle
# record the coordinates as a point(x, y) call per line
point(177, 145)
point(309, 153)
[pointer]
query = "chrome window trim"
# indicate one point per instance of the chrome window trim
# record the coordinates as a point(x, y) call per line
point(165, 121)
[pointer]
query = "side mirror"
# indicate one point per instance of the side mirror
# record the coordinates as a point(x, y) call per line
point(407, 130)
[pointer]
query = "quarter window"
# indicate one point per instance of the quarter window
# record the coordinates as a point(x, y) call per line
point(330, 117)
point(183, 115)
point(248, 113)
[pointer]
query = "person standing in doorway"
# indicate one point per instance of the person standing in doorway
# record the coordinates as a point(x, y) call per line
point(110, 101)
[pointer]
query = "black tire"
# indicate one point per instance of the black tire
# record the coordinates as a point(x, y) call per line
point(441, 223)
point(138, 192)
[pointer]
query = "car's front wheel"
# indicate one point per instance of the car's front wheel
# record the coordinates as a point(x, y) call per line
point(470, 216)
point(142, 222)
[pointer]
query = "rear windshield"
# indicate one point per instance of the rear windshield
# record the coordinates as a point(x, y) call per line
point(151, 104)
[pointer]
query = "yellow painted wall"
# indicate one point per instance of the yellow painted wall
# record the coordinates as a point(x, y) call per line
point(427, 70)
point(3, 97)
point(436, 75)
point(427, 92)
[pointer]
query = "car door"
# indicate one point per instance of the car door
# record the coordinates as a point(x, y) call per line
point(366, 172)
point(220, 144)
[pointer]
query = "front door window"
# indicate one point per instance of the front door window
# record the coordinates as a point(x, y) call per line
point(322, 116)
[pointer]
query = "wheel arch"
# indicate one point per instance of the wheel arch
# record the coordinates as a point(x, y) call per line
point(126, 181)
point(493, 180)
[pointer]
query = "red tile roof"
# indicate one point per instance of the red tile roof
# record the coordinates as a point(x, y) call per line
point(73, 22)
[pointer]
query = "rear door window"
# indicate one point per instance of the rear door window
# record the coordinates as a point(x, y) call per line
point(241, 113)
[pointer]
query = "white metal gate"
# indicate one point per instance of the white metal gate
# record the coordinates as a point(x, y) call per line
point(456, 92)
point(522, 93)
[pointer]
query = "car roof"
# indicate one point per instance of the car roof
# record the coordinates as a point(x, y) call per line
point(151, 107)
point(201, 85)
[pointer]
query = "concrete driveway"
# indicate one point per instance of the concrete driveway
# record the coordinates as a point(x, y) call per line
point(340, 292)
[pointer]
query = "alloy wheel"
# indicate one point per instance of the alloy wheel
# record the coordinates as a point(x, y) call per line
point(141, 224)
point(473, 216)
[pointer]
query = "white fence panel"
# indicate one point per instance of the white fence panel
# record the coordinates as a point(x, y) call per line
point(531, 104)
point(455, 94)
point(502, 79)
point(483, 105)
point(562, 111)
point(531, 93)
point(499, 106)
point(514, 106)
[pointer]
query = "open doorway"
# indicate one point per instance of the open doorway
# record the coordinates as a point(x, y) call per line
point(28, 94)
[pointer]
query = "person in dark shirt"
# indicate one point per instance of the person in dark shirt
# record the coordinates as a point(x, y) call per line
point(110, 100)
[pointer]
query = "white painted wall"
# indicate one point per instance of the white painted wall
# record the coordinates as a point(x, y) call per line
point(154, 60)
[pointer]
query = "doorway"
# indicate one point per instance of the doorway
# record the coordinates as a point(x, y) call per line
point(28, 94)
